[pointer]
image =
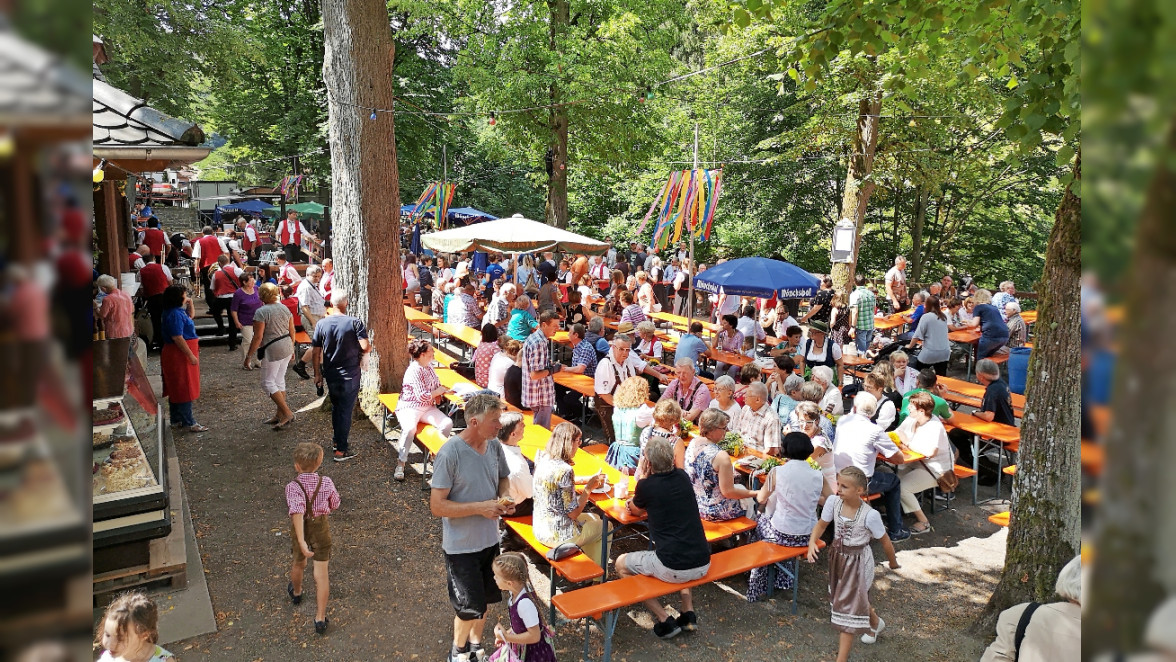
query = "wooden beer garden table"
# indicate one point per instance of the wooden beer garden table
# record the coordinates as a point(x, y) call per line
point(468, 336)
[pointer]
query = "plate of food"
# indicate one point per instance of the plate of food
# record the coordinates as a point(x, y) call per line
point(603, 489)
point(110, 415)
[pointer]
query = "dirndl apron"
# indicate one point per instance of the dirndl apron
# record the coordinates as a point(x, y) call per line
point(181, 380)
point(851, 572)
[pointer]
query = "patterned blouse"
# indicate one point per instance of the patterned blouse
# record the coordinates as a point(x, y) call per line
point(419, 383)
point(483, 355)
point(712, 505)
point(731, 341)
point(555, 498)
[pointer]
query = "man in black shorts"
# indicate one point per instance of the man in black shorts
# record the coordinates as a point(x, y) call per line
point(470, 487)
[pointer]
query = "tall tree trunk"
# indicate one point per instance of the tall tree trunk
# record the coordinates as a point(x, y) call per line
point(922, 199)
point(858, 184)
point(1134, 532)
point(1045, 526)
point(357, 70)
point(557, 182)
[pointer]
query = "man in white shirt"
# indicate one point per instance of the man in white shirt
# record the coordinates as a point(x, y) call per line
point(290, 233)
point(726, 304)
point(287, 274)
point(896, 286)
point(610, 257)
point(599, 270)
point(312, 308)
point(620, 364)
point(858, 442)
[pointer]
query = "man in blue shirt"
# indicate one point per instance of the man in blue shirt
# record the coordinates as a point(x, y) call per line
point(495, 270)
point(339, 342)
point(691, 346)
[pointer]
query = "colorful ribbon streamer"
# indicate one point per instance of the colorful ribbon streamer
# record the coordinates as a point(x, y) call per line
point(436, 198)
point(688, 199)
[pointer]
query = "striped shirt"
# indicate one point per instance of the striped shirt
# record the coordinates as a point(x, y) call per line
point(419, 383)
point(326, 501)
point(633, 313)
point(536, 357)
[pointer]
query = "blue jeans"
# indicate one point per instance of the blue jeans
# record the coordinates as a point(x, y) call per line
point(181, 412)
point(888, 485)
point(862, 339)
point(989, 347)
point(343, 394)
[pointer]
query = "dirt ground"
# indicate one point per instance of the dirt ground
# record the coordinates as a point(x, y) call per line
point(388, 595)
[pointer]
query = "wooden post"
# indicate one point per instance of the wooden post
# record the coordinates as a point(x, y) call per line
point(112, 258)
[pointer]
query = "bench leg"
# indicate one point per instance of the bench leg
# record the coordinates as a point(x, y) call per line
point(795, 584)
point(551, 584)
point(610, 626)
point(976, 468)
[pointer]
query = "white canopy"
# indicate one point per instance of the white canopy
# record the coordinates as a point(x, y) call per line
point(511, 235)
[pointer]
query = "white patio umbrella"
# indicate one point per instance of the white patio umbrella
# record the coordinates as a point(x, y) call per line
point(512, 235)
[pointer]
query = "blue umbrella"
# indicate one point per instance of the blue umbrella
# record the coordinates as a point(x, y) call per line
point(414, 244)
point(758, 277)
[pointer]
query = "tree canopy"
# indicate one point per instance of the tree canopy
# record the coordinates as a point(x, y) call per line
point(970, 159)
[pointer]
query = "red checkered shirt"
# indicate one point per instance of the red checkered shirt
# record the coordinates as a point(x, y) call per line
point(416, 390)
point(536, 357)
point(326, 501)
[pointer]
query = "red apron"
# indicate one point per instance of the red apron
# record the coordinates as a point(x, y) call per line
point(181, 380)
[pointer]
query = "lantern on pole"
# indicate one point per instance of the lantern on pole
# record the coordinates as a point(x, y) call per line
point(844, 234)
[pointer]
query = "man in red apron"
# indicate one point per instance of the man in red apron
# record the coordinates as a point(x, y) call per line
point(289, 233)
point(206, 251)
point(249, 239)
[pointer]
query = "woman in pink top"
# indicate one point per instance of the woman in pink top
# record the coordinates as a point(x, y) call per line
point(117, 312)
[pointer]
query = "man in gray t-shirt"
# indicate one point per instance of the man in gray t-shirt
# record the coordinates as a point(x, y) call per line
point(470, 483)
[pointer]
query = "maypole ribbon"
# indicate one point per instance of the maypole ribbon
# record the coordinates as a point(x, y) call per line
point(689, 198)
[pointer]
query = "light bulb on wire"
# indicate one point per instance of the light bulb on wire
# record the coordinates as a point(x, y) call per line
point(373, 117)
point(493, 119)
point(100, 172)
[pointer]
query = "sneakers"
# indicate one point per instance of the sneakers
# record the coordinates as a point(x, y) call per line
point(296, 599)
point(688, 621)
point(900, 536)
point(320, 627)
point(477, 653)
point(872, 636)
point(399, 475)
point(667, 629)
point(343, 456)
point(459, 656)
point(300, 368)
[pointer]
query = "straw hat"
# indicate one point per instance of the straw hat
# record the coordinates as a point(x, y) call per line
point(625, 327)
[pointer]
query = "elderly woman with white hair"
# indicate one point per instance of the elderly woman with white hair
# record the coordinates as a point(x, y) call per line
point(724, 399)
point(648, 346)
point(1018, 330)
point(1049, 632)
point(831, 400)
point(116, 311)
point(1006, 293)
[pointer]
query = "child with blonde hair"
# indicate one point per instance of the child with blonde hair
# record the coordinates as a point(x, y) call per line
point(666, 417)
point(310, 499)
point(851, 560)
point(130, 630)
point(527, 633)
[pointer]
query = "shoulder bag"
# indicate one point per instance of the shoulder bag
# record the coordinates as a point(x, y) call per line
point(261, 350)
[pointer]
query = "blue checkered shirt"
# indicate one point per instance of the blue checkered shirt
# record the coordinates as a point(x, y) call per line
point(585, 354)
point(536, 357)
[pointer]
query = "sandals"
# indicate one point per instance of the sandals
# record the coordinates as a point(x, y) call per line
point(282, 425)
point(918, 532)
point(272, 421)
point(198, 428)
point(872, 636)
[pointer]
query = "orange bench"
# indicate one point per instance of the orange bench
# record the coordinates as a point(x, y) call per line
point(1010, 470)
point(1000, 519)
point(575, 569)
point(604, 602)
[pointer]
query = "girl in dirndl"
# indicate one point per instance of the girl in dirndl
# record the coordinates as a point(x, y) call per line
point(527, 630)
point(851, 560)
point(179, 361)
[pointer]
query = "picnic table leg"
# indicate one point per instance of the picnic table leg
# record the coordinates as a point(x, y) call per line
point(610, 626)
point(604, 548)
point(976, 468)
point(795, 584)
point(551, 584)
point(587, 633)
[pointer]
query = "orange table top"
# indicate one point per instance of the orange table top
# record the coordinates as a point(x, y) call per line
point(467, 335)
point(1006, 434)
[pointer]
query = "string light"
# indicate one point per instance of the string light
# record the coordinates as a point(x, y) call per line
point(493, 119)
point(373, 117)
point(99, 172)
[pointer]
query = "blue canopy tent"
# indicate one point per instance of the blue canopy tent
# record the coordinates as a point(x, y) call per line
point(245, 207)
point(459, 216)
point(758, 277)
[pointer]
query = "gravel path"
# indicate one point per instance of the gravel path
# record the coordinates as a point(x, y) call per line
point(388, 596)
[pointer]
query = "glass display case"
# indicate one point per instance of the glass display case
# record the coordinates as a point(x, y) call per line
point(130, 481)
